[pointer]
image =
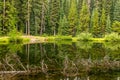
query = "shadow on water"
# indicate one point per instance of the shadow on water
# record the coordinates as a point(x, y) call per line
point(59, 61)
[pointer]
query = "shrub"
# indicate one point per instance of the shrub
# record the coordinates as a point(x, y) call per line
point(15, 36)
point(116, 26)
point(85, 36)
point(112, 37)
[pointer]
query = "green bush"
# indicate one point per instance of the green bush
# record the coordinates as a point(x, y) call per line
point(85, 36)
point(15, 36)
point(116, 26)
point(112, 37)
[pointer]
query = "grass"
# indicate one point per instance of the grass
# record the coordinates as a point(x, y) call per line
point(7, 40)
point(113, 37)
point(4, 40)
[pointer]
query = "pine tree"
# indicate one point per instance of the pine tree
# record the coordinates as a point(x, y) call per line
point(116, 27)
point(39, 10)
point(95, 23)
point(21, 7)
point(63, 26)
point(103, 23)
point(66, 7)
point(116, 12)
point(73, 18)
point(84, 19)
point(9, 16)
point(54, 15)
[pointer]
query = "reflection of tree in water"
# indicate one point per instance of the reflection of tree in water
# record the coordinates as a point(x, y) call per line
point(112, 46)
point(113, 50)
point(84, 45)
point(68, 59)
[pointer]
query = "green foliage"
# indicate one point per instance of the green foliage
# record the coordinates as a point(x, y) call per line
point(103, 23)
point(84, 36)
point(66, 38)
point(63, 26)
point(116, 26)
point(4, 40)
point(54, 16)
point(13, 48)
point(84, 45)
point(10, 17)
point(116, 12)
point(113, 37)
point(95, 23)
point(84, 19)
point(73, 18)
point(112, 46)
point(62, 17)
point(15, 36)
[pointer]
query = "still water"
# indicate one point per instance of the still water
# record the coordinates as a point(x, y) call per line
point(60, 61)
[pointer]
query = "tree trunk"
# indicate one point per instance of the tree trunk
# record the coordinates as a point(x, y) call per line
point(28, 20)
point(3, 14)
point(42, 19)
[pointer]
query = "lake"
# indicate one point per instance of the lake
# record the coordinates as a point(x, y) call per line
point(60, 61)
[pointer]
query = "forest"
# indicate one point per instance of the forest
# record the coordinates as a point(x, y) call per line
point(60, 17)
point(60, 39)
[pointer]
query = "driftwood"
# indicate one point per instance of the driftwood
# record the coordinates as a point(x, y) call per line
point(20, 72)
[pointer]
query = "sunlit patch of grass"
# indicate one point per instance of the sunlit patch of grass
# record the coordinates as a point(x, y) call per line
point(65, 38)
point(4, 40)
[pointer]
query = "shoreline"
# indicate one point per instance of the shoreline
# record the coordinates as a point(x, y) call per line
point(41, 39)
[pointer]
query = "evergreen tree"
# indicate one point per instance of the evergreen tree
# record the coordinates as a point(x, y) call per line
point(9, 16)
point(116, 27)
point(116, 12)
point(54, 15)
point(63, 26)
point(103, 23)
point(84, 19)
point(66, 7)
point(21, 7)
point(95, 23)
point(73, 18)
point(39, 9)
point(79, 5)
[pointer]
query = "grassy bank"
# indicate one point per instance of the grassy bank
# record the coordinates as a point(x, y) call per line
point(38, 39)
point(6, 40)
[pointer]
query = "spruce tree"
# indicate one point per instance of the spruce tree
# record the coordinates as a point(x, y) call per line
point(54, 15)
point(39, 9)
point(9, 20)
point(102, 23)
point(84, 19)
point(95, 23)
point(63, 26)
point(73, 18)
point(116, 27)
point(116, 12)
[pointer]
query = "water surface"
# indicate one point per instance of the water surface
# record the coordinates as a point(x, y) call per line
point(60, 61)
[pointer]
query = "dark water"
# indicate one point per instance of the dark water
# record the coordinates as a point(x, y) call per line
point(60, 61)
